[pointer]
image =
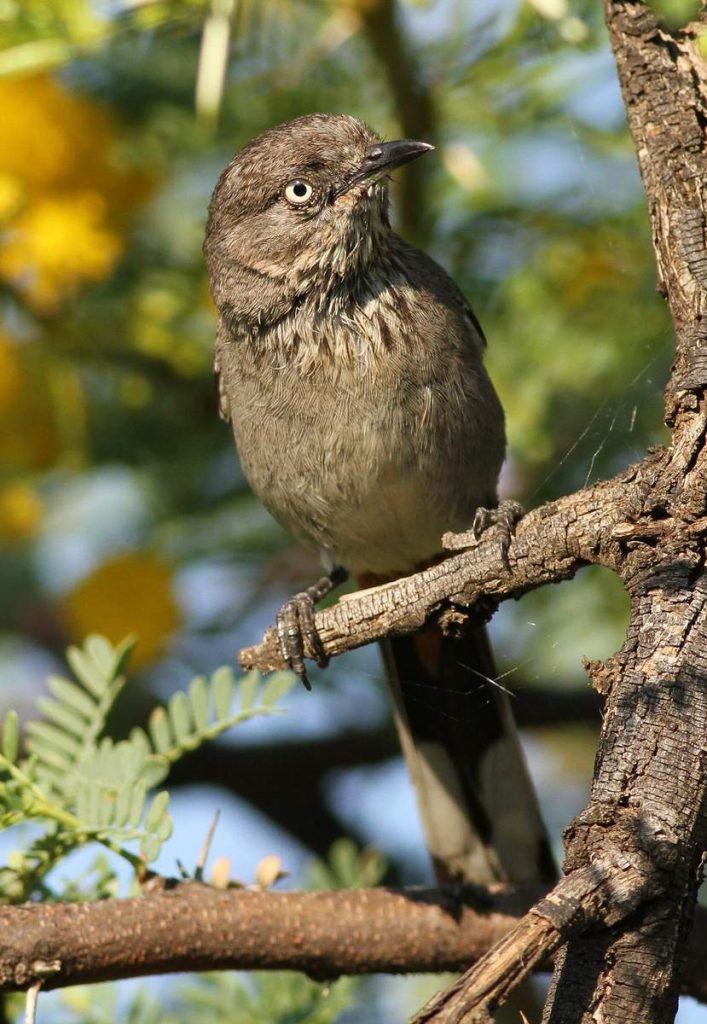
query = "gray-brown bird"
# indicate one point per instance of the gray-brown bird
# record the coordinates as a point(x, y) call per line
point(350, 367)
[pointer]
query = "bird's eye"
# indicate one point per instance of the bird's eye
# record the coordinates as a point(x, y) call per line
point(298, 192)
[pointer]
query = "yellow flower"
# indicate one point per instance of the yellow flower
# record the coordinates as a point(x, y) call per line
point(55, 140)
point(64, 200)
point(20, 512)
point(56, 245)
point(10, 195)
point(129, 593)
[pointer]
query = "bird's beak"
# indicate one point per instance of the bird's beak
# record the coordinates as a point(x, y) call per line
point(386, 156)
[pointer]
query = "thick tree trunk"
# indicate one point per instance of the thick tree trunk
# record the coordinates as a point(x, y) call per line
point(651, 770)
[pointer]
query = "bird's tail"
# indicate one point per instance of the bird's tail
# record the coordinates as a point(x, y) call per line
point(477, 803)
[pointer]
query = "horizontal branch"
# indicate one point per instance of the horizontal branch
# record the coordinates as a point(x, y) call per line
point(188, 926)
point(550, 544)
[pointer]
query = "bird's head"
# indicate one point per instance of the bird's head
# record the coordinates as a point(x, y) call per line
point(301, 207)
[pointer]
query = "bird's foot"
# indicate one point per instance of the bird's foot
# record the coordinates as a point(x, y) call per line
point(296, 627)
point(505, 516)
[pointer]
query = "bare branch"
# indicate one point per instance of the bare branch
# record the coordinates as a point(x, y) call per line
point(188, 926)
point(550, 544)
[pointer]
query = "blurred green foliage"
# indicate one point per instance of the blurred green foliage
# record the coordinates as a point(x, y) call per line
point(285, 998)
point(121, 504)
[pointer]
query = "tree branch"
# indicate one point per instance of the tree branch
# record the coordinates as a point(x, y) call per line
point(550, 544)
point(650, 781)
point(188, 926)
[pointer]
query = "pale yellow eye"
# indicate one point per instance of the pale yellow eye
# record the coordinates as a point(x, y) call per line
point(298, 192)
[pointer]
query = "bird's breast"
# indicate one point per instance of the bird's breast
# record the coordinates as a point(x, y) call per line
point(362, 440)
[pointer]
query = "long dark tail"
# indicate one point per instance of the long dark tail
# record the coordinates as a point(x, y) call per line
point(477, 803)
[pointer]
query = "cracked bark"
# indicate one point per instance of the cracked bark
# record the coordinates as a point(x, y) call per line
point(650, 778)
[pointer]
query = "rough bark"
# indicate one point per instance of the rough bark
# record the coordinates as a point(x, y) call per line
point(187, 926)
point(650, 778)
point(550, 544)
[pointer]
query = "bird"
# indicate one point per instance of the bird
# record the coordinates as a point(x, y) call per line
point(350, 367)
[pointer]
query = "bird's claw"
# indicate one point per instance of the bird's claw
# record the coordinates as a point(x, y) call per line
point(295, 626)
point(505, 515)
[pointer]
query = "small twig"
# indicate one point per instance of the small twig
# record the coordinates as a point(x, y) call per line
point(31, 1003)
point(42, 969)
point(205, 847)
point(488, 982)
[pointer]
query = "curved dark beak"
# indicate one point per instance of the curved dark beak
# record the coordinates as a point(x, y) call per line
point(386, 156)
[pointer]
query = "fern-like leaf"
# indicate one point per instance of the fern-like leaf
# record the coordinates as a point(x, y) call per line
point(84, 785)
point(205, 711)
point(77, 714)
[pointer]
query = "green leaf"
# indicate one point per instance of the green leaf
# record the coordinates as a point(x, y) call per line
point(106, 808)
point(137, 803)
point(65, 717)
point(248, 688)
point(72, 695)
point(47, 758)
point(155, 770)
point(165, 829)
point(81, 804)
point(11, 736)
point(276, 687)
point(43, 735)
point(179, 715)
point(122, 805)
point(104, 763)
point(150, 847)
point(121, 654)
point(157, 811)
point(87, 671)
point(139, 742)
point(199, 702)
point(160, 732)
point(222, 684)
point(93, 804)
point(102, 654)
point(129, 760)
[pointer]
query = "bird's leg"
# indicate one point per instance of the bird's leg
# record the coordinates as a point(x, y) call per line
point(505, 515)
point(295, 624)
